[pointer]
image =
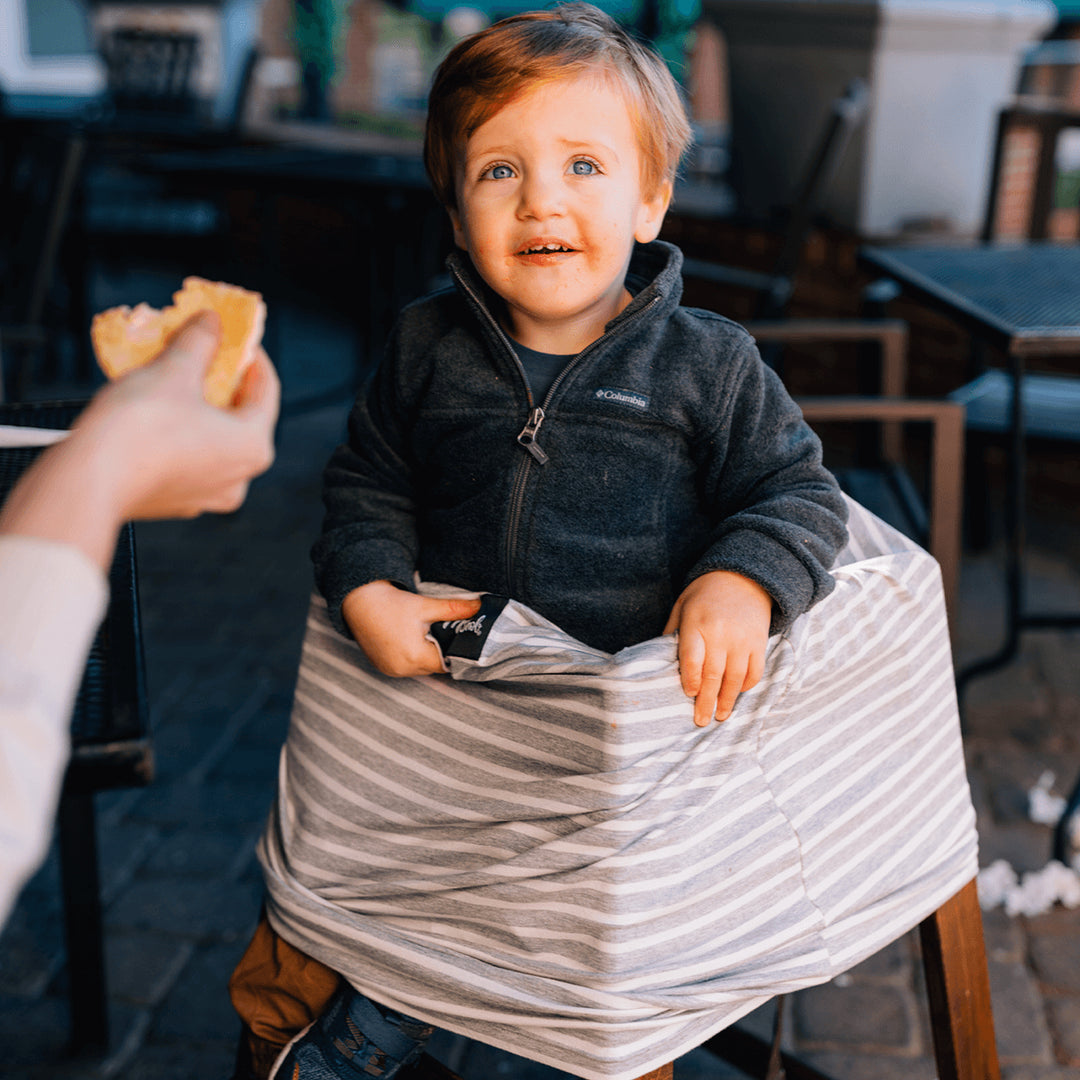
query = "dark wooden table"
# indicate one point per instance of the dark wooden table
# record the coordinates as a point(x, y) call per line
point(1023, 299)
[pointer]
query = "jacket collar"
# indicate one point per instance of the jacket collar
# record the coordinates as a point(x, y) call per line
point(655, 272)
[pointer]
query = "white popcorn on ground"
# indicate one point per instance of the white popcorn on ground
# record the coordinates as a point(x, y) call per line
point(1044, 807)
point(995, 883)
point(1033, 894)
point(1038, 890)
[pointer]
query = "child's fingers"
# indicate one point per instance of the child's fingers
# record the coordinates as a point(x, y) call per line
point(672, 623)
point(441, 610)
point(754, 670)
point(706, 702)
point(691, 653)
point(437, 609)
point(734, 680)
point(714, 676)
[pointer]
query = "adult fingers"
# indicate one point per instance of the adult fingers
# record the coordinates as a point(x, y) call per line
point(192, 347)
point(246, 429)
point(259, 392)
point(229, 499)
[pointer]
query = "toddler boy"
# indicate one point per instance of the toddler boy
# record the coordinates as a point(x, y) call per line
point(557, 429)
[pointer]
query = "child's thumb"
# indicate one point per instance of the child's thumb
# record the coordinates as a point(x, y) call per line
point(446, 610)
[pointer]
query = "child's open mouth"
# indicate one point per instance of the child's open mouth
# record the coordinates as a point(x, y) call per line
point(545, 252)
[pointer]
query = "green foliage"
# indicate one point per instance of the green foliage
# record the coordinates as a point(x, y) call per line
point(315, 29)
point(1067, 189)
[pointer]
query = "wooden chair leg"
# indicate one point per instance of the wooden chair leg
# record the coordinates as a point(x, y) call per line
point(665, 1072)
point(958, 988)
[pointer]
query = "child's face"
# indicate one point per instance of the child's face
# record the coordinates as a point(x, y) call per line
point(549, 205)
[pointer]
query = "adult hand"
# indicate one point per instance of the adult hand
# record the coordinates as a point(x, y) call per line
point(169, 452)
point(391, 626)
point(722, 619)
point(149, 446)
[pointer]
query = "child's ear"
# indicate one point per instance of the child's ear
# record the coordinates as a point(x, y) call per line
point(651, 213)
point(459, 232)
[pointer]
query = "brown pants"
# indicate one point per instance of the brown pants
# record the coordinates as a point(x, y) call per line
point(278, 991)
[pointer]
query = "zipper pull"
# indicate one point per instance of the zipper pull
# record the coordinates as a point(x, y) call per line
point(527, 438)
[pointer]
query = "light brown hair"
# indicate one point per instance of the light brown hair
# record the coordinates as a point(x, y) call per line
point(483, 72)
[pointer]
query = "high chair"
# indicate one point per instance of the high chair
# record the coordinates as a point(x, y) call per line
point(958, 992)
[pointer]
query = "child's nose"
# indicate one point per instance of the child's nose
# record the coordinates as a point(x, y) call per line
point(541, 196)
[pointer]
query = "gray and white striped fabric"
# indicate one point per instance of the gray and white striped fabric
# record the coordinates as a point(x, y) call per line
point(542, 852)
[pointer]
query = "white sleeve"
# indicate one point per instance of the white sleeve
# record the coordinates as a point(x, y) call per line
point(52, 599)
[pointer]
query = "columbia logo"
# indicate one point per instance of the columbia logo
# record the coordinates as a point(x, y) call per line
point(622, 397)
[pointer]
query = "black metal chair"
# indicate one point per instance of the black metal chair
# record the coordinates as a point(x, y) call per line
point(773, 289)
point(151, 72)
point(110, 748)
point(38, 183)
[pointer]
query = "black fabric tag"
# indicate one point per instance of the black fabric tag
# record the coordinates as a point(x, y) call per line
point(465, 637)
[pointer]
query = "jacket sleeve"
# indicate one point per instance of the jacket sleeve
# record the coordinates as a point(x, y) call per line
point(369, 529)
point(780, 515)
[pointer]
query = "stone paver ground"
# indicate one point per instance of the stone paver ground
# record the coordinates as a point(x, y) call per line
point(223, 603)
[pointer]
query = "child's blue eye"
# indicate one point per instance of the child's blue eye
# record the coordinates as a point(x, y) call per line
point(583, 168)
point(500, 172)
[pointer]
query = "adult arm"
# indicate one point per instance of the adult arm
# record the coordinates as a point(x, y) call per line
point(53, 598)
point(147, 446)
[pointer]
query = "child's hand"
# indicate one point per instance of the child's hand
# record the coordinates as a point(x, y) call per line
point(723, 623)
point(391, 625)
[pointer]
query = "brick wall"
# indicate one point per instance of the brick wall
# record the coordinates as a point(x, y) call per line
point(1060, 84)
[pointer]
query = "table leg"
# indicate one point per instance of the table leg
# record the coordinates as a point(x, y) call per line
point(1015, 537)
point(1062, 839)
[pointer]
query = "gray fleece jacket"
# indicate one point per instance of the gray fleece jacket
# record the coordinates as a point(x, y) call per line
point(664, 450)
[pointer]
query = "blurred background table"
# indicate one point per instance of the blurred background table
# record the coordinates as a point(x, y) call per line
point(1024, 300)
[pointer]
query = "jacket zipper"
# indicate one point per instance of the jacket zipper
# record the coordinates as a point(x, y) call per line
point(527, 436)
